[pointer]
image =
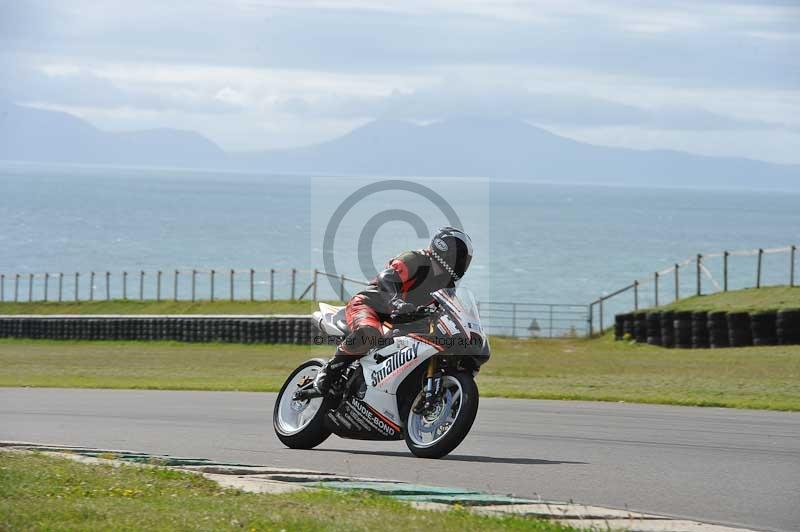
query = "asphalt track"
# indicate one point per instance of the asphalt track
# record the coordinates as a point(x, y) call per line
point(726, 466)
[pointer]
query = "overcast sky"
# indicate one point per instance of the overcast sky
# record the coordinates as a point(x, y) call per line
point(707, 77)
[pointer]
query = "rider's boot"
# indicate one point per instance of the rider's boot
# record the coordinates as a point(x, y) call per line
point(330, 372)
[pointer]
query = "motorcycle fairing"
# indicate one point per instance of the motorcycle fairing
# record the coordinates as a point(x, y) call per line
point(377, 415)
point(356, 419)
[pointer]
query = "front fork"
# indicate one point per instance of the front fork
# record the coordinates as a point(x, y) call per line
point(432, 387)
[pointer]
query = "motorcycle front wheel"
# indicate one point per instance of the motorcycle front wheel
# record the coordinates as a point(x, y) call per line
point(300, 424)
point(435, 432)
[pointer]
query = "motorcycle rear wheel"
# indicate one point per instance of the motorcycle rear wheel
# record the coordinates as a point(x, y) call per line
point(436, 433)
point(300, 424)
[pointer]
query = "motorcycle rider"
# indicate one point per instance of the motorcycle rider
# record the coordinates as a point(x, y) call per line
point(404, 285)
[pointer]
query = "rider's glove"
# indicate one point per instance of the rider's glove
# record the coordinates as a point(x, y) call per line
point(400, 307)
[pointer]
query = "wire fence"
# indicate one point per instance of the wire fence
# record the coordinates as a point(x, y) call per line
point(702, 274)
point(243, 284)
point(526, 320)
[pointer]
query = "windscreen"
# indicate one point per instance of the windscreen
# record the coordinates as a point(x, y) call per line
point(461, 305)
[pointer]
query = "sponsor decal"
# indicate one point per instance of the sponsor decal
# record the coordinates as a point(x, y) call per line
point(440, 244)
point(375, 419)
point(394, 362)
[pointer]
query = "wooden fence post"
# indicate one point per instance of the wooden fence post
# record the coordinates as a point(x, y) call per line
point(175, 285)
point(791, 265)
point(677, 283)
point(699, 267)
point(108, 286)
point(252, 283)
point(194, 285)
point(725, 271)
point(46, 284)
point(30, 287)
point(91, 286)
point(77, 292)
point(341, 288)
point(158, 285)
point(212, 284)
point(758, 272)
point(16, 287)
point(231, 284)
point(2, 287)
point(141, 285)
point(124, 285)
point(272, 284)
point(636, 295)
point(655, 283)
point(314, 290)
point(60, 286)
point(600, 314)
point(294, 279)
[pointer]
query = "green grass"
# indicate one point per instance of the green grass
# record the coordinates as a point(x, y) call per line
point(599, 369)
point(118, 306)
point(748, 300)
point(39, 492)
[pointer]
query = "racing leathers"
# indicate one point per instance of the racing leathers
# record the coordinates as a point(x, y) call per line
point(405, 284)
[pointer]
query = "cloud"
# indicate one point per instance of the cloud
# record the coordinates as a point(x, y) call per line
point(245, 72)
point(677, 42)
point(77, 87)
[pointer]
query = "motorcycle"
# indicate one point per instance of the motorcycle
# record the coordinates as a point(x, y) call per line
point(417, 385)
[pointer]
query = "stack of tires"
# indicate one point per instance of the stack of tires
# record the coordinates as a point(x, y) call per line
point(764, 328)
point(627, 325)
point(654, 328)
point(787, 327)
point(640, 327)
point(619, 319)
point(699, 330)
point(668, 328)
point(294, 330)
point(683, 329)
point(739, 332)
point(700, 336)
point(718, 329)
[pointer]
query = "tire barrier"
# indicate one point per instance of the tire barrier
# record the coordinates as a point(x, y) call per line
point(700, 338)
point(668, 329)
point(763, 326)
point(739, 333)
point(718, 329)
point(654, 328)
point(627, 325)
point(682, 325)
point(299, 330)
point(618, 326)
point(787, 327)
point(640, 327)
point(702, 329)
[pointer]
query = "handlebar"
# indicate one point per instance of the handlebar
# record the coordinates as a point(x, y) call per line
point(421, 313)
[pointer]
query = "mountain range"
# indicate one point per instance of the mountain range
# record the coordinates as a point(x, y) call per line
point(461, 146)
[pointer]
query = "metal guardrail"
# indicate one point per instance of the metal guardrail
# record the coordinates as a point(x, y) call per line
point(534, 320)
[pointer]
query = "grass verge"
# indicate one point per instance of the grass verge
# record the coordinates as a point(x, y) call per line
point(599, 369)
point(39, 492)
point(747, 300)
point(119, 306)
